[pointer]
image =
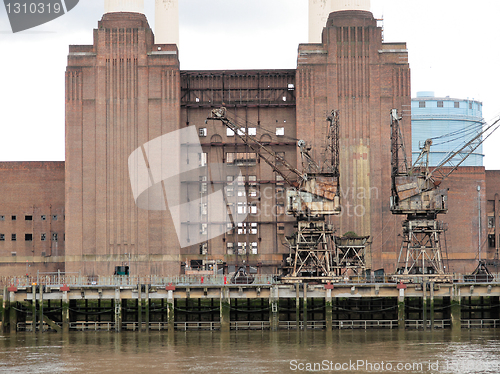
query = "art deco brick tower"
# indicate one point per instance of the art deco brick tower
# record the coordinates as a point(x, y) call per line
point(353, 71)
point(121, 92)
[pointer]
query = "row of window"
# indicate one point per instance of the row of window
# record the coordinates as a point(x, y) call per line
point(29, 237)
point(251, 131)
point(29, 217)
point(440, 104)
point(241, 248)
point(230, 248)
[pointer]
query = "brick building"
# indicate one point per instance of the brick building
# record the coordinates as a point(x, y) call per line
point(31, 217)
point(125, 91)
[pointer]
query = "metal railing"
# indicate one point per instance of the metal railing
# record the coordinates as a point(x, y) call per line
point(76, 279)
point(365, 324)
point(419, 324)
point(59, 279)
point(480, 323)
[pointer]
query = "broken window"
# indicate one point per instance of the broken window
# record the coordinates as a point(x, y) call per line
point(203, 248)
point(43, 237)
point(43, 217)
point(2, 237)
point(202, 131)
point(28, 237)
point(54, 236)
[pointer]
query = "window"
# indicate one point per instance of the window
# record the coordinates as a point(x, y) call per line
point(203, 184)
point(54, 217)
point(242, 248)
point(54, 236)
point(253, 248)
point(291, 86)
point(491, 240)
point(281, 228)
point(2, 218)
point(253, 208)
point(252, 180)
point(204, 209)
point(470, 105)
point(2, 237)
point(13, 237)
point(43, 217)
point(43, 237)
point(280, 131)
point(252, 191)
point(253, 228)
point(252, 131)
point(456, 104)
point(242, 208)
point(203, 228)
point(491, 222)
point(421, 104)
point(230, 248)
point(440, 104)
point(28, 218)
point(202, 158)
point(229, 132)
point(202, 131)
point(241, 158)
point(14, 218)
point(203, 248)
point(250, 226)
point(241, 131)
point(28, 237)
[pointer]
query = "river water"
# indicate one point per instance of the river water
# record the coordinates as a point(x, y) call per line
point(345, 351)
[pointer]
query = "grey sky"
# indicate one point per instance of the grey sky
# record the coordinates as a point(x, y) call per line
point(453, 50)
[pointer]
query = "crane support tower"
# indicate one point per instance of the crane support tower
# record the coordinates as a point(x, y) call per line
point(313, 196)
point(415, 192)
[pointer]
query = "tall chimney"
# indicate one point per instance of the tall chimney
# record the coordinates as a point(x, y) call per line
point(319, 11)
point(167, 22)
point(135, 6)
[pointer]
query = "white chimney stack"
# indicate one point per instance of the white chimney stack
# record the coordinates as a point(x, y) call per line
point(134, 6)
point(167, 22)
point(319, 10)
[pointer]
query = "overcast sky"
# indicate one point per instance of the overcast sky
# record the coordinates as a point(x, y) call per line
point(453, 51)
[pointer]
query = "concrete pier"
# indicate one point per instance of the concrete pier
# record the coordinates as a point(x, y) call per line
point(225, 307)
point(225, 310)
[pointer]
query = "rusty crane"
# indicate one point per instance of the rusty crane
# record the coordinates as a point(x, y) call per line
point(314, 195)
point(416, 193)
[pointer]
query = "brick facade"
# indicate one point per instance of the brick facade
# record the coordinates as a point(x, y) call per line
point(124, 91)
point(32, 217)
point(121, 92)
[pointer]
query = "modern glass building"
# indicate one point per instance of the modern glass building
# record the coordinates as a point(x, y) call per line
point(450, 123)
